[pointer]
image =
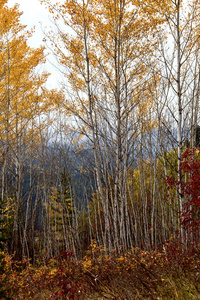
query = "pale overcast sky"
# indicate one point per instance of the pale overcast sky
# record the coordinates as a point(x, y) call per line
point(35, 14)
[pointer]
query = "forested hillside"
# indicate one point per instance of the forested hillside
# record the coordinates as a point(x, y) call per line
point(106, 170)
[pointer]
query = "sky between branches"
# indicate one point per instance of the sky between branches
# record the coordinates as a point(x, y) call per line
point(36, 15)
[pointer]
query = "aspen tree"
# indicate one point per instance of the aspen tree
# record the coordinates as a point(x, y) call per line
point(22, 99)
point(104, 58)
point(178, 54)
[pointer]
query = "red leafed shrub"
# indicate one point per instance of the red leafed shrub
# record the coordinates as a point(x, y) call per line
point(68, 290)
point(68, 278)
point(190, 167)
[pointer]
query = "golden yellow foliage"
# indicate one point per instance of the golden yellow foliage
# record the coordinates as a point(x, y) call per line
point(23, 97)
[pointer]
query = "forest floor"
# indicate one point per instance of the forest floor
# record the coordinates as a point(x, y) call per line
point(166, 274)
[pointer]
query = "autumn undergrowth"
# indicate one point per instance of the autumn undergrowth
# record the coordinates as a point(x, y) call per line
point(170, 273)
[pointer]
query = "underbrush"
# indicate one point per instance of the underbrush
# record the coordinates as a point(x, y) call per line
point(166, 274)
